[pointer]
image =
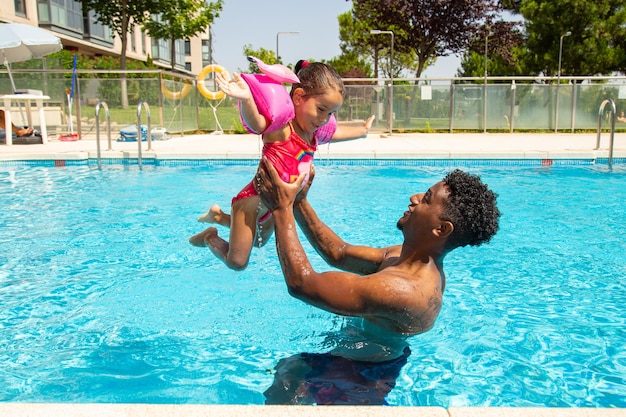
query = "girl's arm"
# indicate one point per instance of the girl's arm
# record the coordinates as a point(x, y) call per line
point(353, 132)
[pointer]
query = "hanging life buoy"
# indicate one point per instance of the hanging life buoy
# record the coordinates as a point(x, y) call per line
point(175, 95)
point(211, 95)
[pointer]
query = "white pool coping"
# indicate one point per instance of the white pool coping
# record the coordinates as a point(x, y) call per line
point(157, 410)
point(375, 146)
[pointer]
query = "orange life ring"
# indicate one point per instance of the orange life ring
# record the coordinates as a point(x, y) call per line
point(175, 95)
point(211, 95)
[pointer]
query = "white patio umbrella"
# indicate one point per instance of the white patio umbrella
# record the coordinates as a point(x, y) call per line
point(20, 42)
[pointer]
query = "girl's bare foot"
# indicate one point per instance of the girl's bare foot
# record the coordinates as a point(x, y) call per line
point(200, 239)
point(214, 215)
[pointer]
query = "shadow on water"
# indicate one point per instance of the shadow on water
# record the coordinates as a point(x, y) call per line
point(326, 379)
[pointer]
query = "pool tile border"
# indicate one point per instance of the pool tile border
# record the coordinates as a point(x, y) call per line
point(190, 410)
point(408, 162)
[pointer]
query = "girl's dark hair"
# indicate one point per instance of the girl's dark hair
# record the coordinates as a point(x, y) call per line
point(471, 207)
point(317, 78)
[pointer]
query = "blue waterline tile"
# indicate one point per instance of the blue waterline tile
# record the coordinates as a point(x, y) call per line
point(522, 162)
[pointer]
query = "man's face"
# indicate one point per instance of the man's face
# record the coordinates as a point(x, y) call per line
point(425, 210)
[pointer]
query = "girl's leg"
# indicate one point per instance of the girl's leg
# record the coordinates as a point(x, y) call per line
point(265, 230)
point(200, 239)
point(235, 253)
point(215, 215)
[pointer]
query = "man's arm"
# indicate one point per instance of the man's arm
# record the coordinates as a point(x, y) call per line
point(338, 292)
point(394, 298)
point(344, 293)
point(334, 250)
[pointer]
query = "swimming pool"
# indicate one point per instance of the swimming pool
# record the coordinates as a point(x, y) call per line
point(103, 299)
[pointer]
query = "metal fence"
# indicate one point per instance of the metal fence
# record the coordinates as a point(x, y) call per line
point(497, 104)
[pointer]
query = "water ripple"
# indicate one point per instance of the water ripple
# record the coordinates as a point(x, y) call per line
point(104, 300)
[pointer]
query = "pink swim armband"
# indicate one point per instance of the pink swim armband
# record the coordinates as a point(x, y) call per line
point(271, 98)
point(325, 133)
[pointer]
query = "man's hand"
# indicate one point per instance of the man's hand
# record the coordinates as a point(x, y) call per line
point(235, 88)
point(274, 192)
point(305, 190)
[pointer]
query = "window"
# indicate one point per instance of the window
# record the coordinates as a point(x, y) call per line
point(161, 51)
point(179, 44)
point(187, 48)
point(20, 8)
point(206, 53)
point(97, 32)
point(133, 43)
point(66, 15)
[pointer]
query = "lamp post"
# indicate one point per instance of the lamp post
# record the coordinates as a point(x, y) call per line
point(485, 89)
point(282, 33)
point(558, 82)
point(390, 107)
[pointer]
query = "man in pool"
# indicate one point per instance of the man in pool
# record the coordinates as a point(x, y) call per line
point(395, 292)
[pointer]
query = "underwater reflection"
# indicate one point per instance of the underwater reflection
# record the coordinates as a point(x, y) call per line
point(361, 369)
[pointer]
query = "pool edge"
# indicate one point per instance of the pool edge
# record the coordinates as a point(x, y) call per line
point(190, 410)
point(418, 161)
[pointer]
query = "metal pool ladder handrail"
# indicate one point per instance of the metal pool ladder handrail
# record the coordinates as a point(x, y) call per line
point(102, 103)
point(600, 114)
point(145, 105)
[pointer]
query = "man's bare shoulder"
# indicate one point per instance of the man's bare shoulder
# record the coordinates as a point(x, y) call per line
point(407, 301)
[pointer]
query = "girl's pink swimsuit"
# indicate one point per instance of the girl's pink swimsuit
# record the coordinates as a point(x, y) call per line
point(290, 158)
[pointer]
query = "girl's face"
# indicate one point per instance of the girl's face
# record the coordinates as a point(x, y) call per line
point(313, 111)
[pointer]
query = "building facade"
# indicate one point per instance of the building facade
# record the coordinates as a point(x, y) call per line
point(80, 32)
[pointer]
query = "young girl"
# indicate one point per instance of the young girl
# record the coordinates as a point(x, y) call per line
point(290, 148)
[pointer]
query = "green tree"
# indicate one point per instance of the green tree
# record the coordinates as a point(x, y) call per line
point(266, 55)
point(181, 19)
point(351, 65)
point(505, 50)
point(357, 44)
point(426, 28)
point(119, 15)
point(597, 44)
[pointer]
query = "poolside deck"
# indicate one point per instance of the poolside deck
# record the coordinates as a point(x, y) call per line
point(376, 146)
point(397, 146)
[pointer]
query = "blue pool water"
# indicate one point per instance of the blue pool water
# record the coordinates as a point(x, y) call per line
point(103, 300)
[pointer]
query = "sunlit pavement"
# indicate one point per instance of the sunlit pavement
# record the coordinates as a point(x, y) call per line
point(375, 146)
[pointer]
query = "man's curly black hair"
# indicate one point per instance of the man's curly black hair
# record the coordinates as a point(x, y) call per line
point(471, 207)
